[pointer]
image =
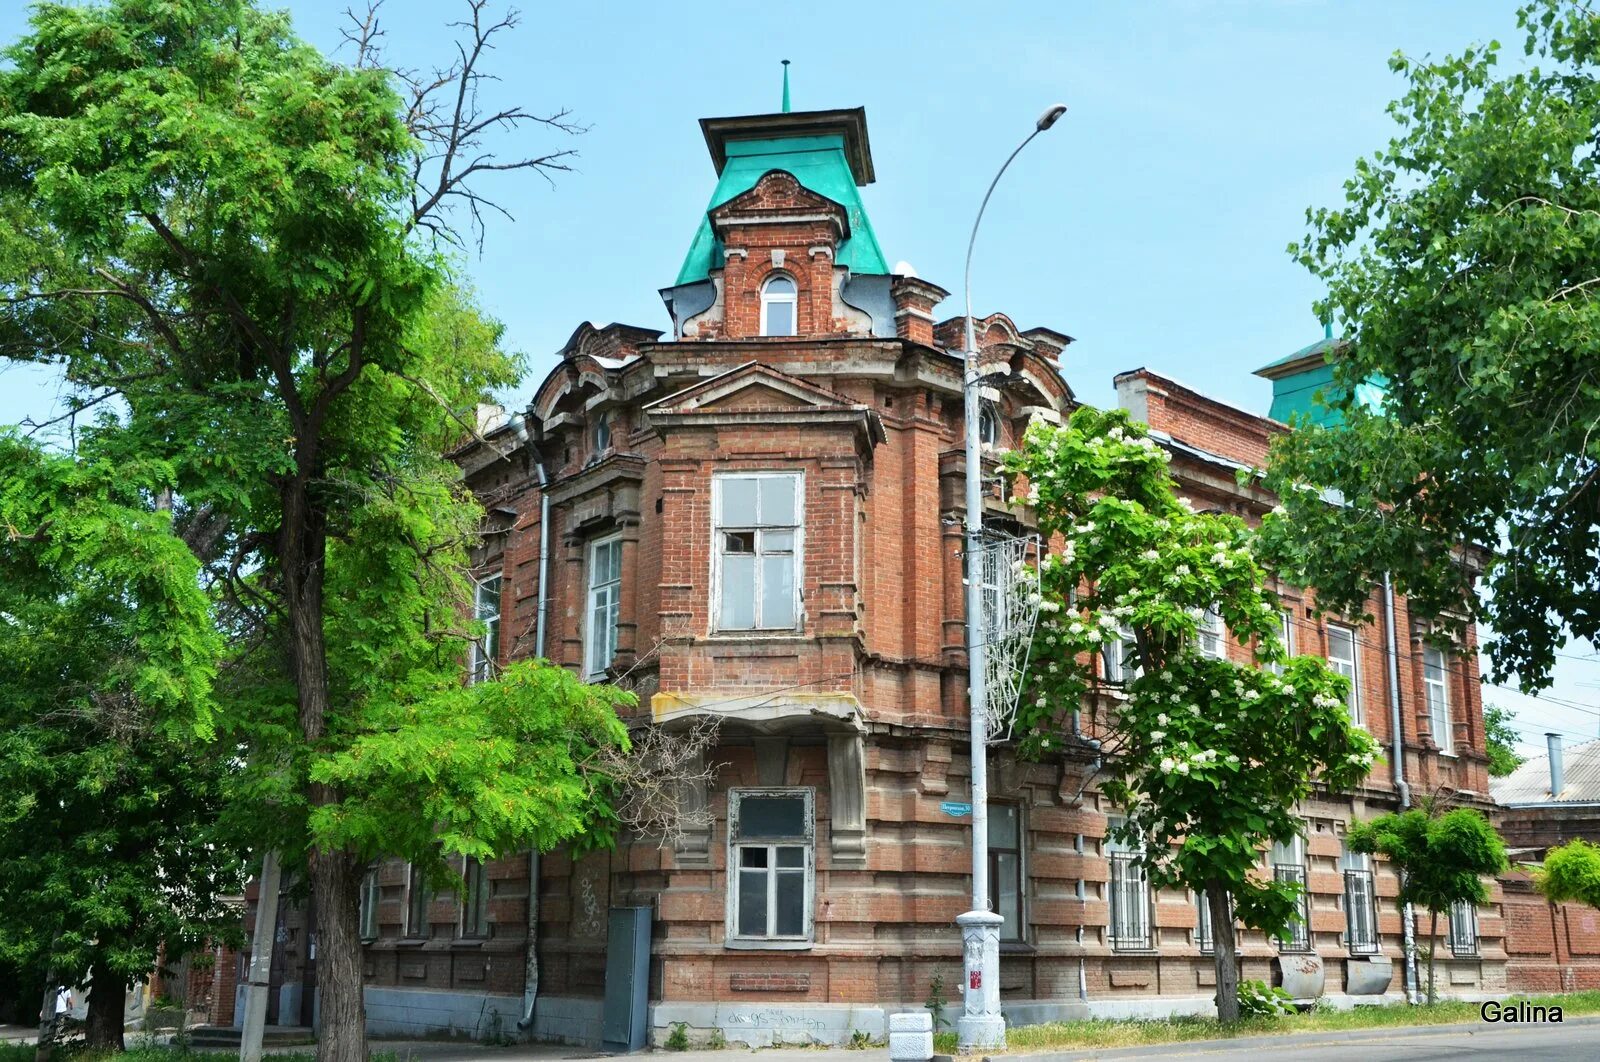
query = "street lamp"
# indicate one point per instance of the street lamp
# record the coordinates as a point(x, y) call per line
point(981, 1027)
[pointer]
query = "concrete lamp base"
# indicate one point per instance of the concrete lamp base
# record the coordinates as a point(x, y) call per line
point(980, 1027)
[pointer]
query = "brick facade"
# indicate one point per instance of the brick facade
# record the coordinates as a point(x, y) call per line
point(861, 703)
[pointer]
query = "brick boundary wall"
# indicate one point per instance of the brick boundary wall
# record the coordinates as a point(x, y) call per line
point(1549, 947)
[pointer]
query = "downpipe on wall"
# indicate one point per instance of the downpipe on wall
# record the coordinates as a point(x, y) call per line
point(1408, 920)
point(530, 976)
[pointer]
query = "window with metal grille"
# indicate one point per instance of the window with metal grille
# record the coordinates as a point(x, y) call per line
point(1203, 938)
point(486, 649)
point(1437, 686)
point(475, 900)
point(1288, 862)
point(758, 527)
point(1463, 928)
point(771, 865)
point(1360, 904)
point(1130, 896)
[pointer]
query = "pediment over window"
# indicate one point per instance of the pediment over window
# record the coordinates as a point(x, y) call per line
point(778, 196)
point(760, 394)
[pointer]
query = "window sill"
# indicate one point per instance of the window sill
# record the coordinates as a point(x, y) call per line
point(411, 942)
point(1138, 952)
point(1017, 947)
point(767, 634)
point(1447, 755)
point(768, 945)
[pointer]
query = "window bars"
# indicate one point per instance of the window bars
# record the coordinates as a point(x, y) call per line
point(1360, 912)
point(1463, 929)
point(1297, 937)
point(1009, 574)
point(1130, 903)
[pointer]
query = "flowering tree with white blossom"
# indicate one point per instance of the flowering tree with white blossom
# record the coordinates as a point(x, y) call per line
point(1205, 755)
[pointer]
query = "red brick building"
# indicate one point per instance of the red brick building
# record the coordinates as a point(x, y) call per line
point(757, 516)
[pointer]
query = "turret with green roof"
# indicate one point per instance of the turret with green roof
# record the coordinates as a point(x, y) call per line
point(1303, 384)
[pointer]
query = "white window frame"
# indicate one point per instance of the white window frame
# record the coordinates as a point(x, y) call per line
point(600, 646)
point(791, 299)
point(371, 896)
point(988, 424)
point(1211, 627)
point(1437, 691)
point(1353, 663)
point(798, 529)
point(1114, 657)
point(1142, 926)
point(474, 901)
point(1285, 635)
point(486, 607)
point(1357, 906)
point(736, 842)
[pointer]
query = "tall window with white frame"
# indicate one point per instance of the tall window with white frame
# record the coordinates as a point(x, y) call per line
point(1436, 683)
point(1287, 860)
point(605, 594)
point(486, 649)
point(1211, 637)
point(1119, 654)
point(1005, 867)
point(770, 867)
point(1360, 903)
point(1286, 635)
point(370, 895)
point(1342, 659)
point(1204, 937)
point(758, 528)
point(474, 900)
point(1130, 895)
point(778, 303)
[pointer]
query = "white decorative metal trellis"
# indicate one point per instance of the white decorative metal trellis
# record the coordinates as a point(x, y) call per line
point(1008, 568)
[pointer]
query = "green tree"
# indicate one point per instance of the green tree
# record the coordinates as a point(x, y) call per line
point(1500, 738)
point(1465, 263)
point(111, 781)
point(1205, 756)
point(1570, 872)
point(1442, 858)
point(245, 244)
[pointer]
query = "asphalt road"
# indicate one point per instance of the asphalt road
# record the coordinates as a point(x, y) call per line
point(1520, 1043)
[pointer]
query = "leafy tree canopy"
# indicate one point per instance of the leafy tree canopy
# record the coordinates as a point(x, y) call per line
point(1465, 263)
point(1500, 738)
point(111, 785)
point(1571, 872)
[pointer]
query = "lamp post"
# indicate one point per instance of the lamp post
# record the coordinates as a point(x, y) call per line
point(981, 1027)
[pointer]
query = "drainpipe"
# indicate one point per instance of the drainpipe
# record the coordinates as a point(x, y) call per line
point(1408, 922)
point(530, 975)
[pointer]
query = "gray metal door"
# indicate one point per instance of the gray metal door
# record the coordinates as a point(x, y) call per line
point(627, 1002)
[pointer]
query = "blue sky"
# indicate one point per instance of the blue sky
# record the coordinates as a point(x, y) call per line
point(1150, 223)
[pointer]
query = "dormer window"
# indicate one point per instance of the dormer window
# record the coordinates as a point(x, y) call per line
point(778, 306)
point(600, 433)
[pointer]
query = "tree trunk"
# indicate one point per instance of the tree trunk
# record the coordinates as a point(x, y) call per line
point(107, 1007)
point(1224, 952)
point(1433, 944)
point(48, 1026)
point(335, 885)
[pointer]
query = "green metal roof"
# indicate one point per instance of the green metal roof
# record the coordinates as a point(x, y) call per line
point(826, 151)
point(1303, 384)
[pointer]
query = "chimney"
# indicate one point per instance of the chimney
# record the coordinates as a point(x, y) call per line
point(1553, 742)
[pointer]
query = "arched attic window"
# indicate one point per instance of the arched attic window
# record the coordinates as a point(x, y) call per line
point(600, 433)
point(778, 306)
point(988, 425)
